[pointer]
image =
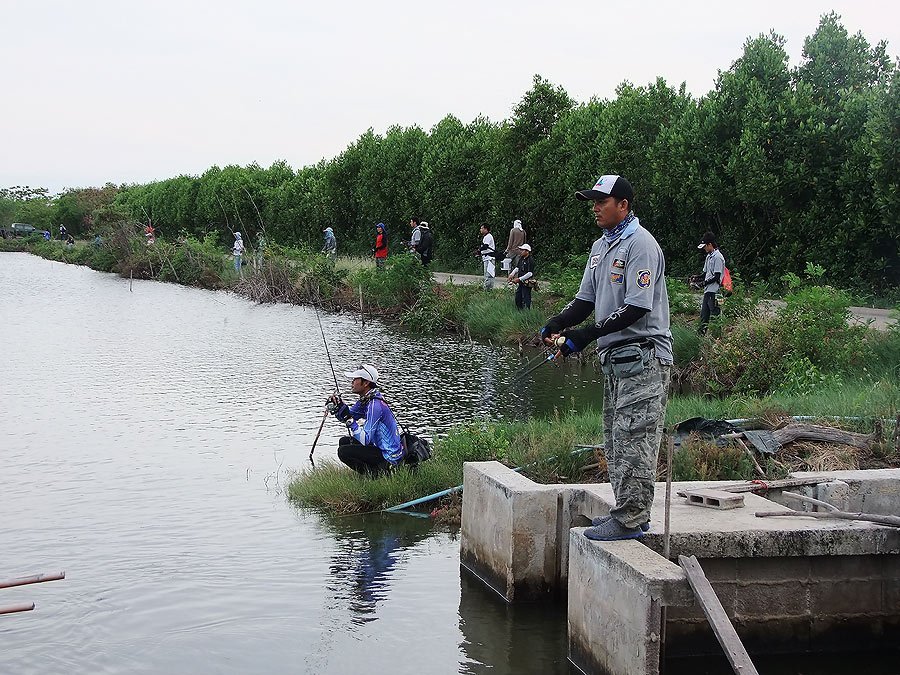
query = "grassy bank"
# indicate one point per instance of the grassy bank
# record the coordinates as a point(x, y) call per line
point(403, 293)
point(545, 447)
point(805, 359)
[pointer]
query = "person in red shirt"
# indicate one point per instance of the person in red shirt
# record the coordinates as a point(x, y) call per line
point(381, 245)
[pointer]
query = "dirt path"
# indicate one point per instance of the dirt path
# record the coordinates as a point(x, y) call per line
point(879, 318)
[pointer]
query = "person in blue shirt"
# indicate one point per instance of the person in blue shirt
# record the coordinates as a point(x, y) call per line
point(374, 446)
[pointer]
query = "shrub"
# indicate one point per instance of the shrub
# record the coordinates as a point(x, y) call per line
point(699, 460)
point(191, 261)
point(807, 344)
point(398, 284)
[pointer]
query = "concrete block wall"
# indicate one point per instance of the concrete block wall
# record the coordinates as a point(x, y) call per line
point(797, 603)
point(509, 532)
point(615, 596)
point(874, 491)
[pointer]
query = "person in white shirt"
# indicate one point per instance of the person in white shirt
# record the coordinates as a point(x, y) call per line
point(487, 252)
point(237, 251)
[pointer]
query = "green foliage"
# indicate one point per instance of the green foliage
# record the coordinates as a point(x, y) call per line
point(400, 282)
point(789, 166)
point(682, 299)
point(190, 261)
point(809, 343)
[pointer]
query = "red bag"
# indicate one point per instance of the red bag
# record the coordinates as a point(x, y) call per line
point(727, 283)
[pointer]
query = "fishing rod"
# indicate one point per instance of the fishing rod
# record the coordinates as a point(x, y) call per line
point(538, 361)
point(337, 387)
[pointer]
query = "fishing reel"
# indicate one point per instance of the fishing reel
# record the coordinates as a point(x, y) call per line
point(333, 402)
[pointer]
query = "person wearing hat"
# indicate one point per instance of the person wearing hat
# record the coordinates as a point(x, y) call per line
point(523, 277)
point(624, 286)
point(713, 270)
point(381, 245)
point(374, 447)
point(425, 246)
point(330, 248)
point(237, 251)
point(516, 239)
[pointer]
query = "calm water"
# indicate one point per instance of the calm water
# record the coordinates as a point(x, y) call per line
point(145, 436)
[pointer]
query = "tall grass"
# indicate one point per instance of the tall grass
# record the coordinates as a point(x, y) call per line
point(546, 447)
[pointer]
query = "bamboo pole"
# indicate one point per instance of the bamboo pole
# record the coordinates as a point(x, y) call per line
point(12, 609)
point(36, 579)
point(830, 512)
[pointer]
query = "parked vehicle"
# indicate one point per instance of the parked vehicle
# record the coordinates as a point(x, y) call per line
point(21, 229)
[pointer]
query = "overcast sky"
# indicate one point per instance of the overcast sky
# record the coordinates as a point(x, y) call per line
point(124, 91)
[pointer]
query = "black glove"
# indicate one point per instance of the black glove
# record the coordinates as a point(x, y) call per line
point(576, 340)
point(342, 412)
point(551, 328)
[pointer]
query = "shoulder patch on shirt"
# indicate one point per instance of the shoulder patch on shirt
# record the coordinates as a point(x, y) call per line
point(619, 263)
point(595, 260)
point(644, 278)
point(617, 278)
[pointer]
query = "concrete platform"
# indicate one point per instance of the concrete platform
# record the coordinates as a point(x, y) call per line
point(788, 584)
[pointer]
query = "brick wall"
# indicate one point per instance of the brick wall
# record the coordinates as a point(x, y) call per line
point(796, 604)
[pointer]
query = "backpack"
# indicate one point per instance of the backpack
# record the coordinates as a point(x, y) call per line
point(415, 449)
point(426, 244)
point(727, 284)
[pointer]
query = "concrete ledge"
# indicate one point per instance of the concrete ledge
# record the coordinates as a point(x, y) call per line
point(616, 592)
point(635, 564)
point(869, 490)
point(509, 531)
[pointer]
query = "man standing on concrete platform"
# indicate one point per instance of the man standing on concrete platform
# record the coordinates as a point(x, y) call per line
point(624, 286)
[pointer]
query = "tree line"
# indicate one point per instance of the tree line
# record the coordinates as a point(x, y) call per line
point(787, 165)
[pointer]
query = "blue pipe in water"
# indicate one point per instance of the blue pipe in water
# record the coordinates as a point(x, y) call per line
point(444, 493)
point(583, 448)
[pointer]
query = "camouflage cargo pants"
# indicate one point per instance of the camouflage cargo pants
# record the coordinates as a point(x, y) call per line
point(634, 412)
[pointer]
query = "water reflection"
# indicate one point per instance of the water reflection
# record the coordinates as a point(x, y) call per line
point(504, 639)
point(144, 432)
point(365, 561)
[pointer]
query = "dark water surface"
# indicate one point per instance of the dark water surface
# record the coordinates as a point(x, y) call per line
point(145, 437)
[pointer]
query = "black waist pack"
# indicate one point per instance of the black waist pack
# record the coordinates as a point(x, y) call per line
point(415, 449)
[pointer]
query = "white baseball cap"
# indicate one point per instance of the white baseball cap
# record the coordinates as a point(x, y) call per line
point(525, 247)
point(366, 371)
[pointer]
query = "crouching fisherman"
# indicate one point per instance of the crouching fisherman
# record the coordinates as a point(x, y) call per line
point(373, 448)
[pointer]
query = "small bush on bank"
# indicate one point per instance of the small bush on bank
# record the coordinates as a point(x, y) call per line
point(807, 344)
point(699, 460)
point(192, 261)
point(399, 283)
point(682, 299)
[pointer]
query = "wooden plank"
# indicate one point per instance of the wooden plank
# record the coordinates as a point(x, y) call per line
point(760, 486)
point(726, 635)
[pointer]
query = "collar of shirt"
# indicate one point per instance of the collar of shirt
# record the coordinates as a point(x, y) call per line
point(619, 230)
